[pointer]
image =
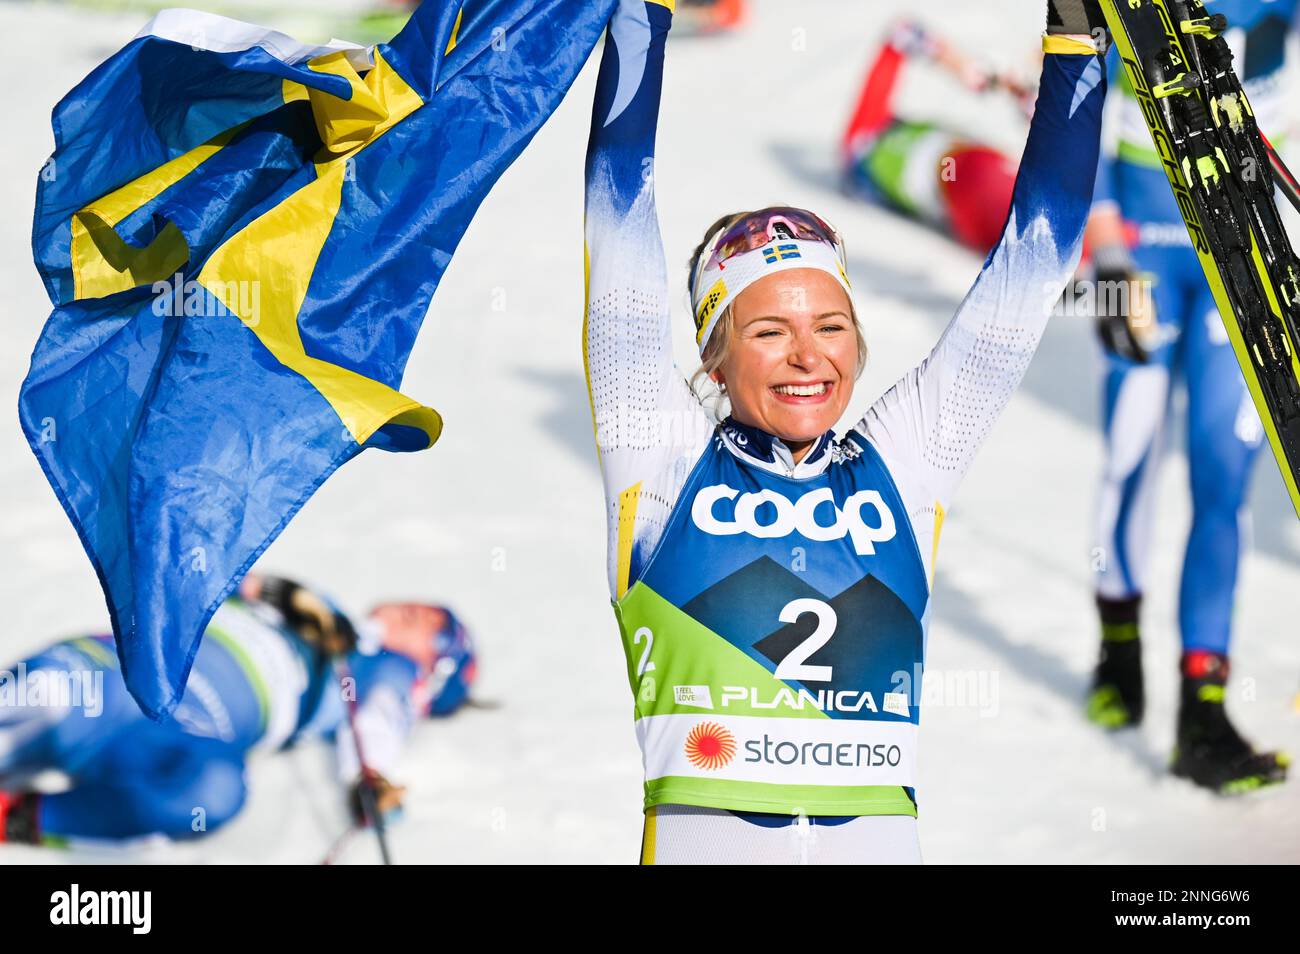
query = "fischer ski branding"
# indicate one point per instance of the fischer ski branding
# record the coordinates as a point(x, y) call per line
point(1221, 170)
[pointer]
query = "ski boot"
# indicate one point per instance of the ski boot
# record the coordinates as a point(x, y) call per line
point(18, 818)
point(1209, 751)
point(1117, 699)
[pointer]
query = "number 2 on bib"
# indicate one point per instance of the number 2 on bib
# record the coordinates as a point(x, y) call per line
point(794, 665)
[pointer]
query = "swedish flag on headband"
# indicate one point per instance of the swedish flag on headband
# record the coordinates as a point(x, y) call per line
point(241, 235)
point(776, 253)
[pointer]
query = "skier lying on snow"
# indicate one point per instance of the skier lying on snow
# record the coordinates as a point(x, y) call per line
point(263, 676)
point(918, 168)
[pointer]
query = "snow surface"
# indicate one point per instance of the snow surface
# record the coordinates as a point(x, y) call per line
point(502, 518)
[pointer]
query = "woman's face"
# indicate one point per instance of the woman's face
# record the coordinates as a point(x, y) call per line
point(793, 357)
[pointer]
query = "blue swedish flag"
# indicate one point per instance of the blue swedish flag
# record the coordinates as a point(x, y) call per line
point(241, 236)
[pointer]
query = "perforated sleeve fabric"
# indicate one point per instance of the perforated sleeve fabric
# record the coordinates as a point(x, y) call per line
point(930, 424)
point(650, 427)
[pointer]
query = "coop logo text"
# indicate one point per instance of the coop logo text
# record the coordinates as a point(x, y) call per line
point(865, 517)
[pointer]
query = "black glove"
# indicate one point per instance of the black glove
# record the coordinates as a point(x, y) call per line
point(317, 623)
point(1123, 307)
point(1080, 17)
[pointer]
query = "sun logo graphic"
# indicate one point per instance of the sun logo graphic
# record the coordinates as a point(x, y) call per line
point(710, 746)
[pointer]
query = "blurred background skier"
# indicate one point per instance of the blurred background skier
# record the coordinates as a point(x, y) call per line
point(919, 168)
point(265, 675)
point(1159, 325)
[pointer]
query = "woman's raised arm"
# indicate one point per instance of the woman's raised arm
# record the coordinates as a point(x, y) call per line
point(931, 423)
point(649, 425)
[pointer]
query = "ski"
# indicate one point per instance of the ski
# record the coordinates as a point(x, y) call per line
point(1222, 172)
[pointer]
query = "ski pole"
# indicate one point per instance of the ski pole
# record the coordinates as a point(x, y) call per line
point(369, 801)
point(337, 846)
point(1286, 182)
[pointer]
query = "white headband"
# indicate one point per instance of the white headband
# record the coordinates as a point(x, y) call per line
point(716, 287)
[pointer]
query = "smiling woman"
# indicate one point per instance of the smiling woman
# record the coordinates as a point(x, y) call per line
point(787, 349)
point(772, 582)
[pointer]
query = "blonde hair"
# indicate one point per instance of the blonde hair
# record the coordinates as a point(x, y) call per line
point(718, 349)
